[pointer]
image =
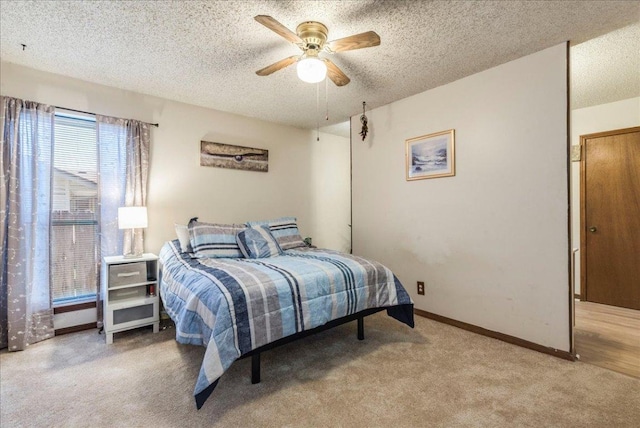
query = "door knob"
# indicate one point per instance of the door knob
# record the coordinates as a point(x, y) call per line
point(593, 229)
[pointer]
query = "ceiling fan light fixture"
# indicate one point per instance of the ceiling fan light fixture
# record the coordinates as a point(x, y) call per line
point(311, 38)
point(311, 70)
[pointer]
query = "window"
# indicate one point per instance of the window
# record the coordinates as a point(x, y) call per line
point(75, 213)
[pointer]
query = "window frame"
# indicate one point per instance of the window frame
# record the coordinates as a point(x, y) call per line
point(79, 302)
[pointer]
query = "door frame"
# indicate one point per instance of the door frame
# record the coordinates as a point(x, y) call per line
point(583, 201)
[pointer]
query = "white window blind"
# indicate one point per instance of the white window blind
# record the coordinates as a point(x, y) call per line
point(74, 217)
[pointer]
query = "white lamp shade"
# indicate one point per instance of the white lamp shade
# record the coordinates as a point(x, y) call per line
point(132, 217)
point(311, 70)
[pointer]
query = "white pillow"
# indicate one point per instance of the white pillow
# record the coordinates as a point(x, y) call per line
point(183, 236)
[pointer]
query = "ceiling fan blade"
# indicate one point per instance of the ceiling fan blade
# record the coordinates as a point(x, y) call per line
point(277, 66)
point(278, 28)
point(335, 74)
point(358, 41)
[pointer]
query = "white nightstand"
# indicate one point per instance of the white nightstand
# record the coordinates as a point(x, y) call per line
point(130, 293)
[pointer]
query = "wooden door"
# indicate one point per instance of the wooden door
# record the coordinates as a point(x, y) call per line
point(610, 218)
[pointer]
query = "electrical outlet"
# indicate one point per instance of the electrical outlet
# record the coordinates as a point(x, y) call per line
point(421, 288)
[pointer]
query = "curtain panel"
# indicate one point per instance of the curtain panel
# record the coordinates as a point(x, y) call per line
point(26, 132)
point(123, 168)
point(123, 146)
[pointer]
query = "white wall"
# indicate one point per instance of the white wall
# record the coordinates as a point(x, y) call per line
point(590, 120)
point(179, 188)
point(331, 184)
point(306, 178)
point(490, 243)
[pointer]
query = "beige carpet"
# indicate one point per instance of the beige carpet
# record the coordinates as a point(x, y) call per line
point(433, 376)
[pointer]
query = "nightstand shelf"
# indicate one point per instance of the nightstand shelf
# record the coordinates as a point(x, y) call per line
point(130, 293)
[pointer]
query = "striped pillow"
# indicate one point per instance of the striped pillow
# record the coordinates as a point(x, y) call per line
point(285, 230)
point(214, 240)
point(257, 242)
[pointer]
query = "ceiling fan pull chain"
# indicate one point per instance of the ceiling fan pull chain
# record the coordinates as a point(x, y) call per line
point(326, 97)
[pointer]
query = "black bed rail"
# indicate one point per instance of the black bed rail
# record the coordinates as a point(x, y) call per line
point(255, 354)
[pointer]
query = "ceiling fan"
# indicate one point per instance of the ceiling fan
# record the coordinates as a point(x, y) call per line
point(311, 38)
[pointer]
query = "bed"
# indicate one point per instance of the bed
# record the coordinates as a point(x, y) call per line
point(239, 307)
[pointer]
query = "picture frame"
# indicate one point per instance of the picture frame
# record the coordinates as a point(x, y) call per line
point(222, 155)
point(430, 156)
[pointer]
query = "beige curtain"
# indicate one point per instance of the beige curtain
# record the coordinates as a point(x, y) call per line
point(123, 146)
point(26, 132)
point(138, 141)
point(123, 168)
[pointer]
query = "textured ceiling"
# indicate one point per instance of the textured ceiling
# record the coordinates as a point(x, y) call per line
point(607, 68)
point(206, 52)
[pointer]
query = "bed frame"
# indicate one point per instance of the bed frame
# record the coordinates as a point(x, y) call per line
point(255, 354)
point(399, 312)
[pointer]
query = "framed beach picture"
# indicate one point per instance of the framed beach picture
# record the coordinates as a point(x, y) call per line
point(431, 156)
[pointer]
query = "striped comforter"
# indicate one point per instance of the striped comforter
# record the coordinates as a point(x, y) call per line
point(232, 306)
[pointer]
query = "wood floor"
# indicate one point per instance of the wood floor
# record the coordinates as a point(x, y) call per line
point(608, 336)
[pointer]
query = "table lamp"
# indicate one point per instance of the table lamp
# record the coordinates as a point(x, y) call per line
point(132, 218)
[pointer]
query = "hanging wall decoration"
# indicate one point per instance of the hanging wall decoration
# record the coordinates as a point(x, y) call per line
point(363, 121)
point(235, 157)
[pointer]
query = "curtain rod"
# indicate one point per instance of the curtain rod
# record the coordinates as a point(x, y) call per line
point(93, 114)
